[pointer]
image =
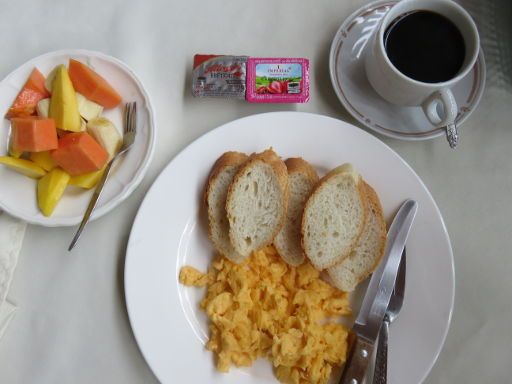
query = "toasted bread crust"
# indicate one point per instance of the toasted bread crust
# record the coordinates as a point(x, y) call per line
point(298, 165)
point(225, 160)
point(362, 195)
point(376, 207)
point(271, 158)
point(379, 226)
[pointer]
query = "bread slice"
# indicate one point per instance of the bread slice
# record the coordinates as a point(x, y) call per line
point(221, 176)
point(256, 202)
point(334, 217)
point(369, 250)
point(302, 178)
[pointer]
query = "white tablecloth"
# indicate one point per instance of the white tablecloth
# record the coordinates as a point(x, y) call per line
point(71, 324)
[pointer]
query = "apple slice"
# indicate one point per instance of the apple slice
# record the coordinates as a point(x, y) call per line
point(106, 134)
point(88, 109)
point(43, 106)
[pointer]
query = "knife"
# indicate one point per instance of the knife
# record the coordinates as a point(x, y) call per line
point(368, 322)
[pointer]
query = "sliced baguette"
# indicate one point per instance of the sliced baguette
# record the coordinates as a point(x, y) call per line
point(369, 250)
point(221, 176)
point(302, 178)
point(334, 217)
point(256, 202)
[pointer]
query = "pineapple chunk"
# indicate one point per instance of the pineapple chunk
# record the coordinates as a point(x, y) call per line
point(63, 104)
point(50, 189)
point(87, 180)
point(43, 159)
point(26, 167)
point(14, 152)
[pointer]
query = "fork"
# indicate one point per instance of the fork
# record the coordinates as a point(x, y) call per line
point(130, 129)
point(381, 360)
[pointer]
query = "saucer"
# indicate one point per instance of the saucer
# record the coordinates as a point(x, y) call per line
point(348, 77)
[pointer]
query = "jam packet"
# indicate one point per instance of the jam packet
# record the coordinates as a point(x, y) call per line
point(219, 76)
point(277, 80)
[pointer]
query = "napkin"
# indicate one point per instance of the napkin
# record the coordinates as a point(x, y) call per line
point(12, 232)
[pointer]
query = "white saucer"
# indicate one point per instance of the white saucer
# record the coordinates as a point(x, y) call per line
point(346, 63)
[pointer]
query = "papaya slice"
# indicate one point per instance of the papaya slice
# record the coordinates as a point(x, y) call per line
point(32, 92)
point(79, 153)
point(33, 134)
point(92, 85)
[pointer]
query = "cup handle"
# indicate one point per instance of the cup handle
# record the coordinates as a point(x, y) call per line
point(446, 98)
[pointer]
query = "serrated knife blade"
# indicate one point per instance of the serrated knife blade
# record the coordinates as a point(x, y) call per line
point(378, 294)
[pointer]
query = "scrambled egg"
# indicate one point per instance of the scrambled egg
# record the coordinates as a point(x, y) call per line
point(265, 308)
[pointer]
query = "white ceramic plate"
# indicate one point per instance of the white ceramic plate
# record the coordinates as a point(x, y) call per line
point(170, 231)
point(18, 192)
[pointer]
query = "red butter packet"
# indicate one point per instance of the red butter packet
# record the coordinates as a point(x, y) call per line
point(219, 76)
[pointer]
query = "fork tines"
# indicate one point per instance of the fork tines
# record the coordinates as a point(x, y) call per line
point(130, 115)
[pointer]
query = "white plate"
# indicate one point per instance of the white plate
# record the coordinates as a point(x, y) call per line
point(170, 231)
point(348, 77)
point(18, 192)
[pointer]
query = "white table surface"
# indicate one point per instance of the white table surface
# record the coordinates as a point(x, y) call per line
point(71, 324)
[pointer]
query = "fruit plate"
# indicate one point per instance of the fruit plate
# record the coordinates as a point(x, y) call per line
point(18, 195)
point(170, 231)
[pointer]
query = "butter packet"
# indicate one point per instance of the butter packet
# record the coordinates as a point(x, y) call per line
point(219, 76)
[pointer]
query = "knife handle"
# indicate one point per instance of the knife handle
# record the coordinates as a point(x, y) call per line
point(357, 363)
point(380, 375)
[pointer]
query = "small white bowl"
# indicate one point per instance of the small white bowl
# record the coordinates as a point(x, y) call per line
point(18, 195)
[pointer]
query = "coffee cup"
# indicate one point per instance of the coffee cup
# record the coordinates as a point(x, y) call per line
point(420, 50)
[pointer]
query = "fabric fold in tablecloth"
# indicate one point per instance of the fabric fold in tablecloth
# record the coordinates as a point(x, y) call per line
point(7, 312)
point(12, 232)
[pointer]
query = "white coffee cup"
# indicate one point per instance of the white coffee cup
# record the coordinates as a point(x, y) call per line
point(400, 89)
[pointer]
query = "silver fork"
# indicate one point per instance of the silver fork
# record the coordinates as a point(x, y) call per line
point(130, 129)
point(380, 373)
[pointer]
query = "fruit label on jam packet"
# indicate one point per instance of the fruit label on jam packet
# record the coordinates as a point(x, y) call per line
point(277, 80)
point(219, 76)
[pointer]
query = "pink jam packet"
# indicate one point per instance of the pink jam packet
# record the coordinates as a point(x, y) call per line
point(277, 80)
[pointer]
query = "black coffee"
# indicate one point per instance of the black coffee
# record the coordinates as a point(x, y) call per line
point(425, 46)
